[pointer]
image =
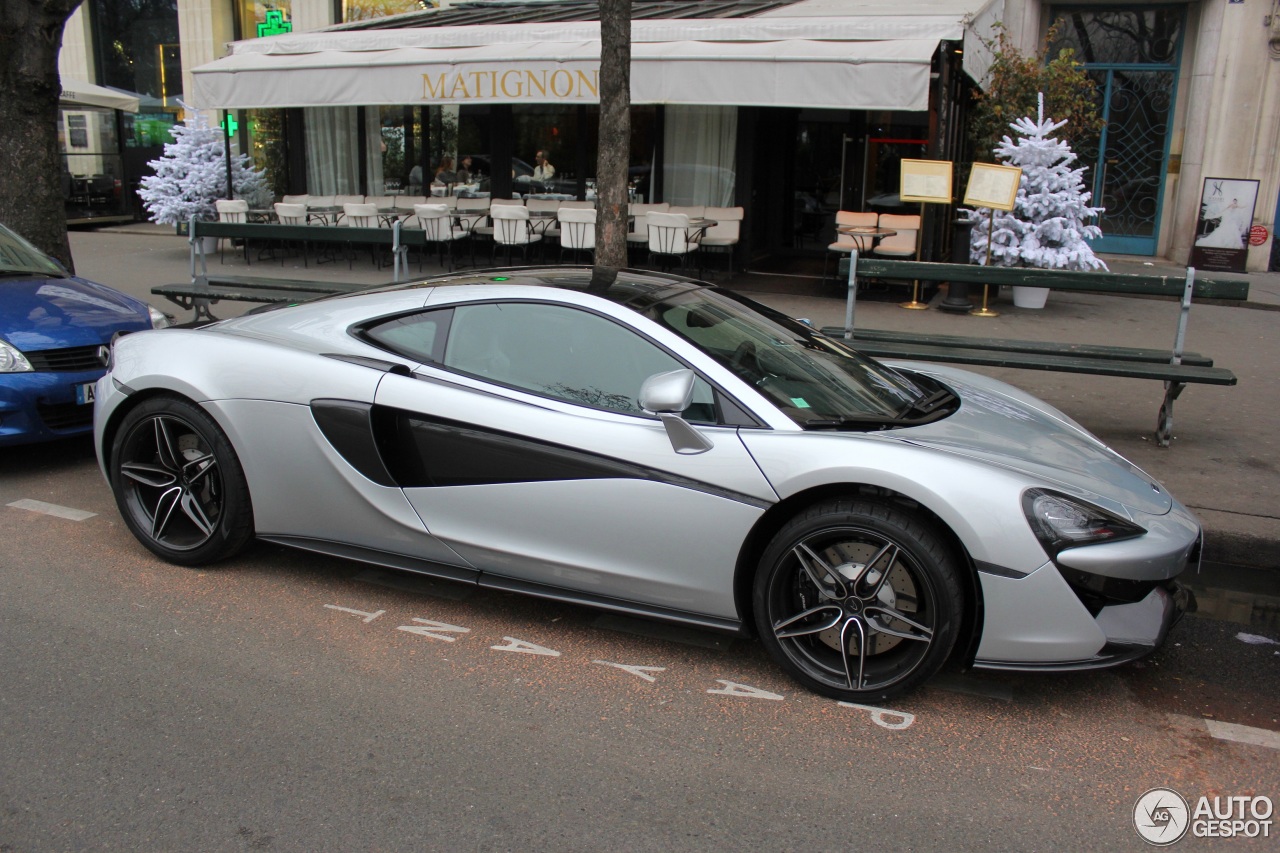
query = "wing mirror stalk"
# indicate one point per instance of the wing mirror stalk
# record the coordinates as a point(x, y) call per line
point(667, 395)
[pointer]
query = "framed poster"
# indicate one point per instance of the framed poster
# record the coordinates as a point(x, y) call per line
point(993, 186)
point(927, 181)
point(1222, 228)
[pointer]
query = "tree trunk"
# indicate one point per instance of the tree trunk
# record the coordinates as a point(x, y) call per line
point(31, 167)
point(614, 154)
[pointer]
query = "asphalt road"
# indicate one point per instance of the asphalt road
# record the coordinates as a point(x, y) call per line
point(291, 702)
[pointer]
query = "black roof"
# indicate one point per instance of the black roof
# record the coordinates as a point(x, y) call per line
point(479, 12)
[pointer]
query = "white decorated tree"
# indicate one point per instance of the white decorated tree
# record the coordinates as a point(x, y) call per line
point(1048, 225)
point(192, 175)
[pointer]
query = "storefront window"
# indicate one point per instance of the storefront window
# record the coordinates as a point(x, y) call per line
point(93, 169)
point(267, 147)
point(334, 150)
point(262, 18)
point(364, 10)
point(136, 46)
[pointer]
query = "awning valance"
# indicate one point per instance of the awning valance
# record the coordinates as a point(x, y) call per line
point(78, 93)
point(869, 62)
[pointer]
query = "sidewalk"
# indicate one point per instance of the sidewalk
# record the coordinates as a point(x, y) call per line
point(1224, 462)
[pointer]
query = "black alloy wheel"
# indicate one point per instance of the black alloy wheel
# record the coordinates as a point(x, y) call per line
point(858, 600)
point(178, 483)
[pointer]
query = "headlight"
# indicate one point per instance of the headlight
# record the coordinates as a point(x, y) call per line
point(159, 319)
point(12, 361)
point(1060, 522)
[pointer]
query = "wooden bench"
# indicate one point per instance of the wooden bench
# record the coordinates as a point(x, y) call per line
point(1174, 367)
point(206, 289)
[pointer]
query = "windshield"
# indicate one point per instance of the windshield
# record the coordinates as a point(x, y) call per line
point(817, 381)
point(19, 256)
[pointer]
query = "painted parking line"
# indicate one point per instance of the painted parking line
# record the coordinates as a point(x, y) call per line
point(53, 509)
point(1243, 734)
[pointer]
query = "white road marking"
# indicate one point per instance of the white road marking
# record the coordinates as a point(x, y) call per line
point(524, 648)
point(429, 628)
point(733, 688)
point(368, 617)
point(53, 509)
point(880, 716)
point(1243, 734)
point(641, 671)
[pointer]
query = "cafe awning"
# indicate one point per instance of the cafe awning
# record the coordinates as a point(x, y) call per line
point(78, 93)
point(872, 62)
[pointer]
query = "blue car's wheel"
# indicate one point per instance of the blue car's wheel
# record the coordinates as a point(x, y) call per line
point(858, 600)
point(178, 483)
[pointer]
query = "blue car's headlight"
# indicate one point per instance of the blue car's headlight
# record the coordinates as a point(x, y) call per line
point(12, 361)
point(1060, 522)
point(159, 319)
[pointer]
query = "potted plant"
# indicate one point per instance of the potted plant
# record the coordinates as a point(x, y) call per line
point(192, 174)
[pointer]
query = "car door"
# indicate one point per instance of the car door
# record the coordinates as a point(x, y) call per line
point(522, 447)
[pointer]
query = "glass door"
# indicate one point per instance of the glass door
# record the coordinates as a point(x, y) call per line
point(1133, 55)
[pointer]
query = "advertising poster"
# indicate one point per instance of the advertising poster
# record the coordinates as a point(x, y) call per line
point(1222, 228)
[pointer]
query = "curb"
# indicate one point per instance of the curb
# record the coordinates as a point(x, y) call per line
point(1243, 549)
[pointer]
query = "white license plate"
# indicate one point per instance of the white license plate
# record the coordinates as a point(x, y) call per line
point(84, 393)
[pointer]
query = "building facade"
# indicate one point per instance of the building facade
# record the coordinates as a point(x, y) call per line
point(792, 110)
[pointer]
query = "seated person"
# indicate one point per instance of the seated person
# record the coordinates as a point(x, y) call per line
point(445, 174)
point(464, 171)
point(544, 171)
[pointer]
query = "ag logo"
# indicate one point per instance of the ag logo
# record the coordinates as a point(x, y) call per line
point(1161, 816)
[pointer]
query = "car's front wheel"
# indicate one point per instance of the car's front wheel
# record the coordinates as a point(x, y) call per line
point(858, 600)
point(178, 483)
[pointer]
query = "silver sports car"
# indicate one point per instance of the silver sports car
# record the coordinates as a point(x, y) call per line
point(661, 448)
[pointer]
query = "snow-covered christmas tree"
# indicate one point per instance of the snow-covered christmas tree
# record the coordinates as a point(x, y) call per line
point(192, 174)
point(1046, 227)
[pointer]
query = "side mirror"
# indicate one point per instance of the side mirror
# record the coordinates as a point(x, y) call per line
point(667, 395)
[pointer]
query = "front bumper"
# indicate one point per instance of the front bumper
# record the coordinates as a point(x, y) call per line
point(1132, 631)
point(41, 406)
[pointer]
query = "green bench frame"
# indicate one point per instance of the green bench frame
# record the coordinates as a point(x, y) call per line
point(1174, 367)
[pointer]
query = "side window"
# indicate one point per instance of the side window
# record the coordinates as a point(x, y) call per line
point(561, 352)
point(418, 336)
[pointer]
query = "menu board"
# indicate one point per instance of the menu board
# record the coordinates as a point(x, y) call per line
point(927, 181)
point(993, 186)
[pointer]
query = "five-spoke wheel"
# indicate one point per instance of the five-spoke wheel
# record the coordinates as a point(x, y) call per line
point(858, 600)
point(178, 483)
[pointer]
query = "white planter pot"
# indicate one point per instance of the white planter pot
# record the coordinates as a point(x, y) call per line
point(1030, 297)
point(209, 245)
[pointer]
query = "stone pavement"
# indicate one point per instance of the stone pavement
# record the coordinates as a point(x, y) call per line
point(1224, 462)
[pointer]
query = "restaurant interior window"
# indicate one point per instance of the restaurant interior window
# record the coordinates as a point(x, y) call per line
point(699, 151)
point(553, 129)
point(888, 142)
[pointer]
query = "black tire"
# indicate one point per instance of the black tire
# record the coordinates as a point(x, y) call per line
point(179, 484)
point(858, 600)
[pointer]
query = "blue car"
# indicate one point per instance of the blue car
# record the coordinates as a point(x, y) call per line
point(54, 335)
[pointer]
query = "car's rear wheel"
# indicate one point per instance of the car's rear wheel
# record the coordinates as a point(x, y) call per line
point(178, 483)
point(858, 600)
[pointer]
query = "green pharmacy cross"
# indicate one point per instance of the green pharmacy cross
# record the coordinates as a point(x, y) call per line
point(230, 125)
point(275, 24)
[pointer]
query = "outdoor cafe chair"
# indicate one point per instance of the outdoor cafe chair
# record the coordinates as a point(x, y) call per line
point(436, 221)
point(847, 243)
point(901, 245)
point(511, 228)
point(723, 236)
point(670, 237)
point(292, 214)
point(232, 210)
point(577, 231)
